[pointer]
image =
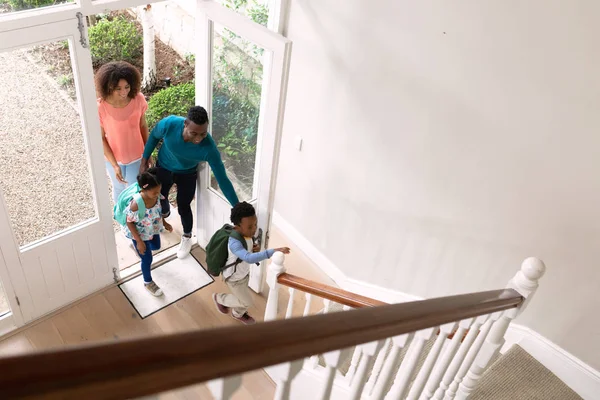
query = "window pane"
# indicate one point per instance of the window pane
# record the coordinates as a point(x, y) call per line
point(7, 6)
point(256, 10)
point(237, 86)
point(44, 173)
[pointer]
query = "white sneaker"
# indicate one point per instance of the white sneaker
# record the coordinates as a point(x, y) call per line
point(184, 247)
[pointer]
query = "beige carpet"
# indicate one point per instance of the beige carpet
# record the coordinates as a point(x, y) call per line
point(518, 376)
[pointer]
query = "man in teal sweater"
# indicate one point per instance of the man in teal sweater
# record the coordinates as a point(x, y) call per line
point(186, 142)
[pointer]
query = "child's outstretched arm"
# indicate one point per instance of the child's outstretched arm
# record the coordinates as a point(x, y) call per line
point(238, 249)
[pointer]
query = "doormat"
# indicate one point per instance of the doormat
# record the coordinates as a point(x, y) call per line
point(177, 279)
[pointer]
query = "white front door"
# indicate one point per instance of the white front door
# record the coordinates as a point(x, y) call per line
point(241, 77)
point(56, 237)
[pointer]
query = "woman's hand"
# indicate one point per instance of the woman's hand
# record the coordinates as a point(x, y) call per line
point(119, 174)
point(284, 250)
point(167, 226)
point(256, 248)
point(141, 246)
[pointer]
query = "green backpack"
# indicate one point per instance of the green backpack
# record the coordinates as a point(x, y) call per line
point(130, 192)
point(217, 250)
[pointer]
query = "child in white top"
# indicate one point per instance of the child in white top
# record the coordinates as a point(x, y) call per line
point(145, 232)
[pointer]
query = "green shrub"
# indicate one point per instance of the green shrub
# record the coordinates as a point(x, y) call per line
point(174, 100)
point(115, 40)
point(17, 5)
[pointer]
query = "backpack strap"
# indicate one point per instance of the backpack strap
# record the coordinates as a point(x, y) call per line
point(141, 205)
point(237, 236)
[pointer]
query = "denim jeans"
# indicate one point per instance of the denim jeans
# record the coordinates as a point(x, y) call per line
point(151, 245)
point(129, 171)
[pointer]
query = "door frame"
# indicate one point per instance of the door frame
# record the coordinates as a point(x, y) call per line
point(12, 264)
point(274, 88)
point(15, 24)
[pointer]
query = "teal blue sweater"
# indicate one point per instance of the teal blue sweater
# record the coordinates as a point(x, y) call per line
point(178, 156)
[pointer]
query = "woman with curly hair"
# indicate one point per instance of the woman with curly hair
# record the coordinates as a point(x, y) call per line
point(122, 110)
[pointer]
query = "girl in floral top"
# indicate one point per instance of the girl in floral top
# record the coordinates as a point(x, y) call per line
point(145, 232)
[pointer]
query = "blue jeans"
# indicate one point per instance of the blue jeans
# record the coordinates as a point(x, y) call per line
point(129, 171)
point(153, 244)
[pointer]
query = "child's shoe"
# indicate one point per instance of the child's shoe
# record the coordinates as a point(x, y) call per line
point(245, 319)
point(220, 307)
point(153, 289)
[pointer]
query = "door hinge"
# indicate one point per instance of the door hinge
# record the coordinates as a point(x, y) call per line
point(115, 275)
point(81, 28)
point(18, 302)
point(266, 240)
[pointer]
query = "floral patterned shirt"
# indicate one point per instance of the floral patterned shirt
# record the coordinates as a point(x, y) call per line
point(149, 226)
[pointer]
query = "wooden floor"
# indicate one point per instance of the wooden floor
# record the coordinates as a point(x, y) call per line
point(107, 315)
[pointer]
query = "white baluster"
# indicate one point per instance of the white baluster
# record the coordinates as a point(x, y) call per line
point(224, 388)
point(275, 269)
point(314, 360)
point(355, 359)
point(356, 355)
point(290, 307)
point(377, 367)
point(440, 368)
point(409, 364)
point(333, 361)
point(490, 348)
point(432, 357)
point(287, 373)
point(308, 297)
point(468, 361)
point(398, 343)
point(526, 283)
point(366, 363)
point(459, 357)
point(307, 305)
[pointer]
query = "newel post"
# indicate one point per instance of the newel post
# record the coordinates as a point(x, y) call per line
point(275, 269)
point(526, 283)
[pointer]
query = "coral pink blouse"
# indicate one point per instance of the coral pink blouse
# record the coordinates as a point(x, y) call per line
point(122, 128)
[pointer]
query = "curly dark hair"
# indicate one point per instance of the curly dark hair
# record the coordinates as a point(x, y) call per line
point(148, 179)
point(241, 210)
point(197, 115)
point(109, 75)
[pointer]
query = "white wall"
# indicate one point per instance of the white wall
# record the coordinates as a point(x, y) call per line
point(174, 24)
point(444, 142)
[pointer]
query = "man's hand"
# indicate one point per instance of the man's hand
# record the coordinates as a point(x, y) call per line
point(143, 166)
point(119, 174)
point(284, 250)
point(167, 226)
point(141, 246)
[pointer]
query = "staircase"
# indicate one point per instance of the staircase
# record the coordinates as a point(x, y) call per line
point(357, 348)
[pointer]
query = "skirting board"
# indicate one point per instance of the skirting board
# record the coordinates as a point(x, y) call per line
point(579, 376)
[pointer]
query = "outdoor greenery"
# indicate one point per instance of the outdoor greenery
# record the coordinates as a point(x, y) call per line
point(237, 79)
point(237, 82)
point(116, 39)
point(17, 5)
point(174, 100)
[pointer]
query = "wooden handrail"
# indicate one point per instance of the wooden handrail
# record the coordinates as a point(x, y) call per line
point(335, 294)
point(132, 368)
point(332, 293)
